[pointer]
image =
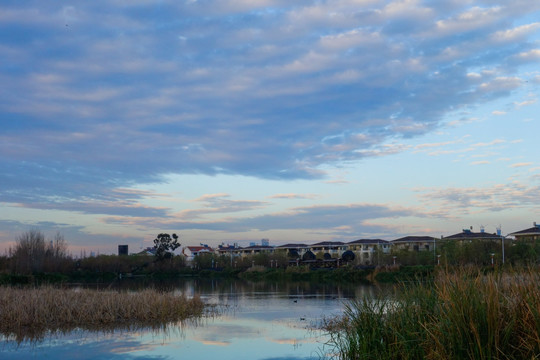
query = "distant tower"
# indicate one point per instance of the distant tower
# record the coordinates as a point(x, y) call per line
point(122, 250)
point(265, 242)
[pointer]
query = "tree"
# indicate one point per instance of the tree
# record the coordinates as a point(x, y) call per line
point(34, 254)
point(164, 245)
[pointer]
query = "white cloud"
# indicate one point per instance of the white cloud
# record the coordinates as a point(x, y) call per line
point(268, 89)
point(521, 164)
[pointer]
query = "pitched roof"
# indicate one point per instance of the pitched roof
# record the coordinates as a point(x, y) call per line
point(291, 246)
point(328, 243)
point(535, 230)
point(369, 241)
point(259, 247)
point(467, 234)
point(199, 248)
point(408, 239)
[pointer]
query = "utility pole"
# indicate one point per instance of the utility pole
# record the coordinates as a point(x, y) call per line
point(499, 232)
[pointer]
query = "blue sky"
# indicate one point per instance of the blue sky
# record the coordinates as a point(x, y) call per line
point(296, 121)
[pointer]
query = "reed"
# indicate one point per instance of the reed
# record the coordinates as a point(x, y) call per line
point(462, 314)
point(35, 310)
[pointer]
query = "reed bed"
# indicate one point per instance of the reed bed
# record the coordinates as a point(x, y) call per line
point(463, 314)
point(35, 310)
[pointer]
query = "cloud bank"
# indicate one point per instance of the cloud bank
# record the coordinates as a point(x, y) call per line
point(97, 96)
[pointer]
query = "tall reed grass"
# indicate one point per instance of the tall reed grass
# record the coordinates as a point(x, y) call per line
point(462, 314)
point(28, 312)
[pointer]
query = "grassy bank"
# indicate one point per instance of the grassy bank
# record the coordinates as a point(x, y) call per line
point(462, 314)
point(387, 274)
point(304, 273)
point(29, 312)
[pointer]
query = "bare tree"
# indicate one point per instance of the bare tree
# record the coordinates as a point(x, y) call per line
point(33, 254)
point(29, 253)
point(58, 247)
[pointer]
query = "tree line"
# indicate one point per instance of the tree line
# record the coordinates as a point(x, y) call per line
point(34, 254)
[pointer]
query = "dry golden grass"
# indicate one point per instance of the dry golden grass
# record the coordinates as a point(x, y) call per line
point(35, 310)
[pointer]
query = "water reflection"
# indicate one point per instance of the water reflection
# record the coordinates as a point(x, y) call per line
point(259, 320)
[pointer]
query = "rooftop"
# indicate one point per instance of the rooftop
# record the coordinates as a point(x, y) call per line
point(369, 241)
point(468, 234)
point(414, 239)
point(535, 230)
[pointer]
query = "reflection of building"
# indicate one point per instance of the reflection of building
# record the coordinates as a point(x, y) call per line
point(530, 234)
point(414, 243)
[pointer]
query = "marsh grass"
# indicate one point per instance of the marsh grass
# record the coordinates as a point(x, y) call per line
point(462, 314)
point(28, 313)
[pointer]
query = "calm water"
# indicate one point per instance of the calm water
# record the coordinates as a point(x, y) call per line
point(258, 321)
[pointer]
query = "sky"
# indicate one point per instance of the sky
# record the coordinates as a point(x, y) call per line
point(232, 121)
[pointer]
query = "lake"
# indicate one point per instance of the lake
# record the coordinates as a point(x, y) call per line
point(257, 320)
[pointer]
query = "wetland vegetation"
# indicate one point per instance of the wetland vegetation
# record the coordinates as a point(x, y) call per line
point(29, 312)
point(464, 313)
point(463, 308)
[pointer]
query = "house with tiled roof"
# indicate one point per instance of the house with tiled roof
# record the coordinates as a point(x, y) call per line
point(365, 249)
point(191, 251)
point(334, 249)
point(414, 243)
point(293, 250)
point(469, 235)
point(530, 234)
point(257, 249)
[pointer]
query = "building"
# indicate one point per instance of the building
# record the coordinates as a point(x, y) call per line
point(469, 235)
point(334, 249)
point(123, 250)
point(257, 249)
point(531, 234)
point(294, 251)
point(365, 250)
point(191, 251)
point(414, 243)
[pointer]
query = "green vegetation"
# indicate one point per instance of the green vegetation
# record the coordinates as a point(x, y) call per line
point(37, 261)
point(304, 273)
point(164, 245)
point(462, 314)
point(30, 312)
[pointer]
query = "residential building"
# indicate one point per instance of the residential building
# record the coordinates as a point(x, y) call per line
point(469, 235)
point(294, 251)
point(334, 249)
point(530, 234)
point(365, 250)
point(191, 251)
point(257, 249)
point(414, 243)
